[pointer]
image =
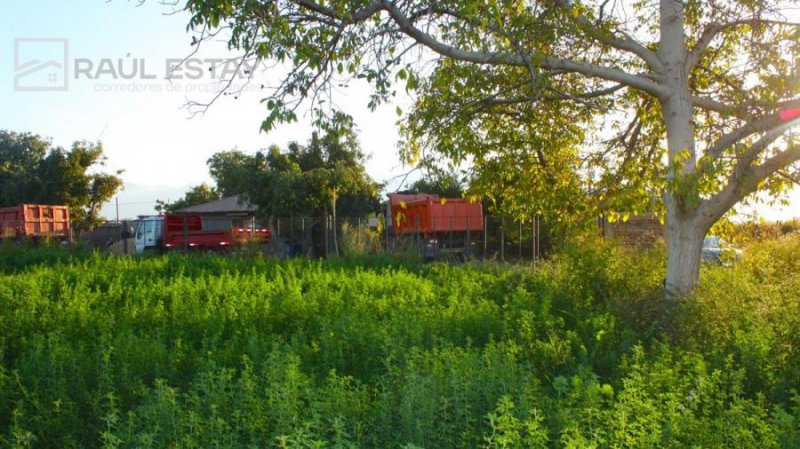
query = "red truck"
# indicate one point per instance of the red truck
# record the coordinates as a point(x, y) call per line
point(173, 231)
point(35, 221)
point(447, 225)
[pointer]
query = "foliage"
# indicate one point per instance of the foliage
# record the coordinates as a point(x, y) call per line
point(181, 351)
point(752, 232)
point(439, 182)
point(199, 194)
point(326, 174)
point(561, 107)
point(33, 171)
point(231, 170)
point(360, 240)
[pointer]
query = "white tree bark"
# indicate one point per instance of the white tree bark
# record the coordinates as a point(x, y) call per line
point(684, 231)
point(684, 246)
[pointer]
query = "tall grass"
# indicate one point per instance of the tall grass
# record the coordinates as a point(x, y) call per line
point(183, 351)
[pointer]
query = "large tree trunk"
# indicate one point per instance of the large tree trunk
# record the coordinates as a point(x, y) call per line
point(684, 246)
point(685, 228)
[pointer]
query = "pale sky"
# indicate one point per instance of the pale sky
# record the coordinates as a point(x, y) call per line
point(142, 122)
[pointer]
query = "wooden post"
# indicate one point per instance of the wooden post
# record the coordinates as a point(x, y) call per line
point(503, 237)
point(125, 237)
point(485, 234)
point(538, 238)
point(450, 236)
point(533, 239)
point(185, 233)
point(467, 242)
point(326, 234)
point(420, 250)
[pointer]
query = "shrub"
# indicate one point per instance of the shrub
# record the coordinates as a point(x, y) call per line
point(242, 351)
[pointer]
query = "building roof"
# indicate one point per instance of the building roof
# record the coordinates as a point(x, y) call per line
point(230, 205)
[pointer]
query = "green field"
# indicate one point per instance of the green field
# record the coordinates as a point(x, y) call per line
point(208, 351)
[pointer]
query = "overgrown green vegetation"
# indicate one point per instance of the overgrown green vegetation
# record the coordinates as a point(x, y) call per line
point(209, 351)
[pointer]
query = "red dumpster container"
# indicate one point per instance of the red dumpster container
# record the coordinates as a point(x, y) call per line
point(35, 221)
point(429, 214)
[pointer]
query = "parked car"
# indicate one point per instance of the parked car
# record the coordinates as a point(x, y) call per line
point(717, 250)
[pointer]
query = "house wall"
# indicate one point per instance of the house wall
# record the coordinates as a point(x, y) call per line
point(637, 231)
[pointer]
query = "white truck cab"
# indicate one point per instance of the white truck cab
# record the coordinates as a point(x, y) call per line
point(150, 234)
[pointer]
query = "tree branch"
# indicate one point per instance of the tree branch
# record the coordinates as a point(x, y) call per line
point(727, 140)
point(746, 178)
point(626, 44)
point(723, 109)
point(492, 58)
point(713, 29)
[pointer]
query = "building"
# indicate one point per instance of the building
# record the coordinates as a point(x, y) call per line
point(225, 213)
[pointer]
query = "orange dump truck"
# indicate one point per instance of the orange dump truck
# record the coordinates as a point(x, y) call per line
point(446, 225)
point(35, 221)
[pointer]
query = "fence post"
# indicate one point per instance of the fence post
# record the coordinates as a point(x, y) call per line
point(420, 251)
point(450, 236)
point(519, 245)
point(467, 242)
point(125, 236)
point(485, 234)
point(503, 238)
point(538, 238)
point(533, 239)
point(326, 220)
point(185, 233)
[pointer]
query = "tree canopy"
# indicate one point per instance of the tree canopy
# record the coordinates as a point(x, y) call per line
point(34, 171)
point(446, 184)
point(675, 102)
point(325, 176)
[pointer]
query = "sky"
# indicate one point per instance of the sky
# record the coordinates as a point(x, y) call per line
point(143, 123)
point(115, 91)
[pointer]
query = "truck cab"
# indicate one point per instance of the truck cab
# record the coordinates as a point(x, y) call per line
point(150, 234)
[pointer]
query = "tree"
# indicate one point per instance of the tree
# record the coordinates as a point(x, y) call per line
point(709, 76)
point(326, 175)
point(32, 171)
point(232, 171)
point(335, 169)
point(278, 186)
point(439, 182)
point(20, 157)
point(198, 194)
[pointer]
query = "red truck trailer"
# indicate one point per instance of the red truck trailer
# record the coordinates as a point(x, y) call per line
point(447, 225)
point(35, 221)
point(173, 231)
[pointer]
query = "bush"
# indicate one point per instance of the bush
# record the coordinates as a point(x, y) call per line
point(240, 351)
